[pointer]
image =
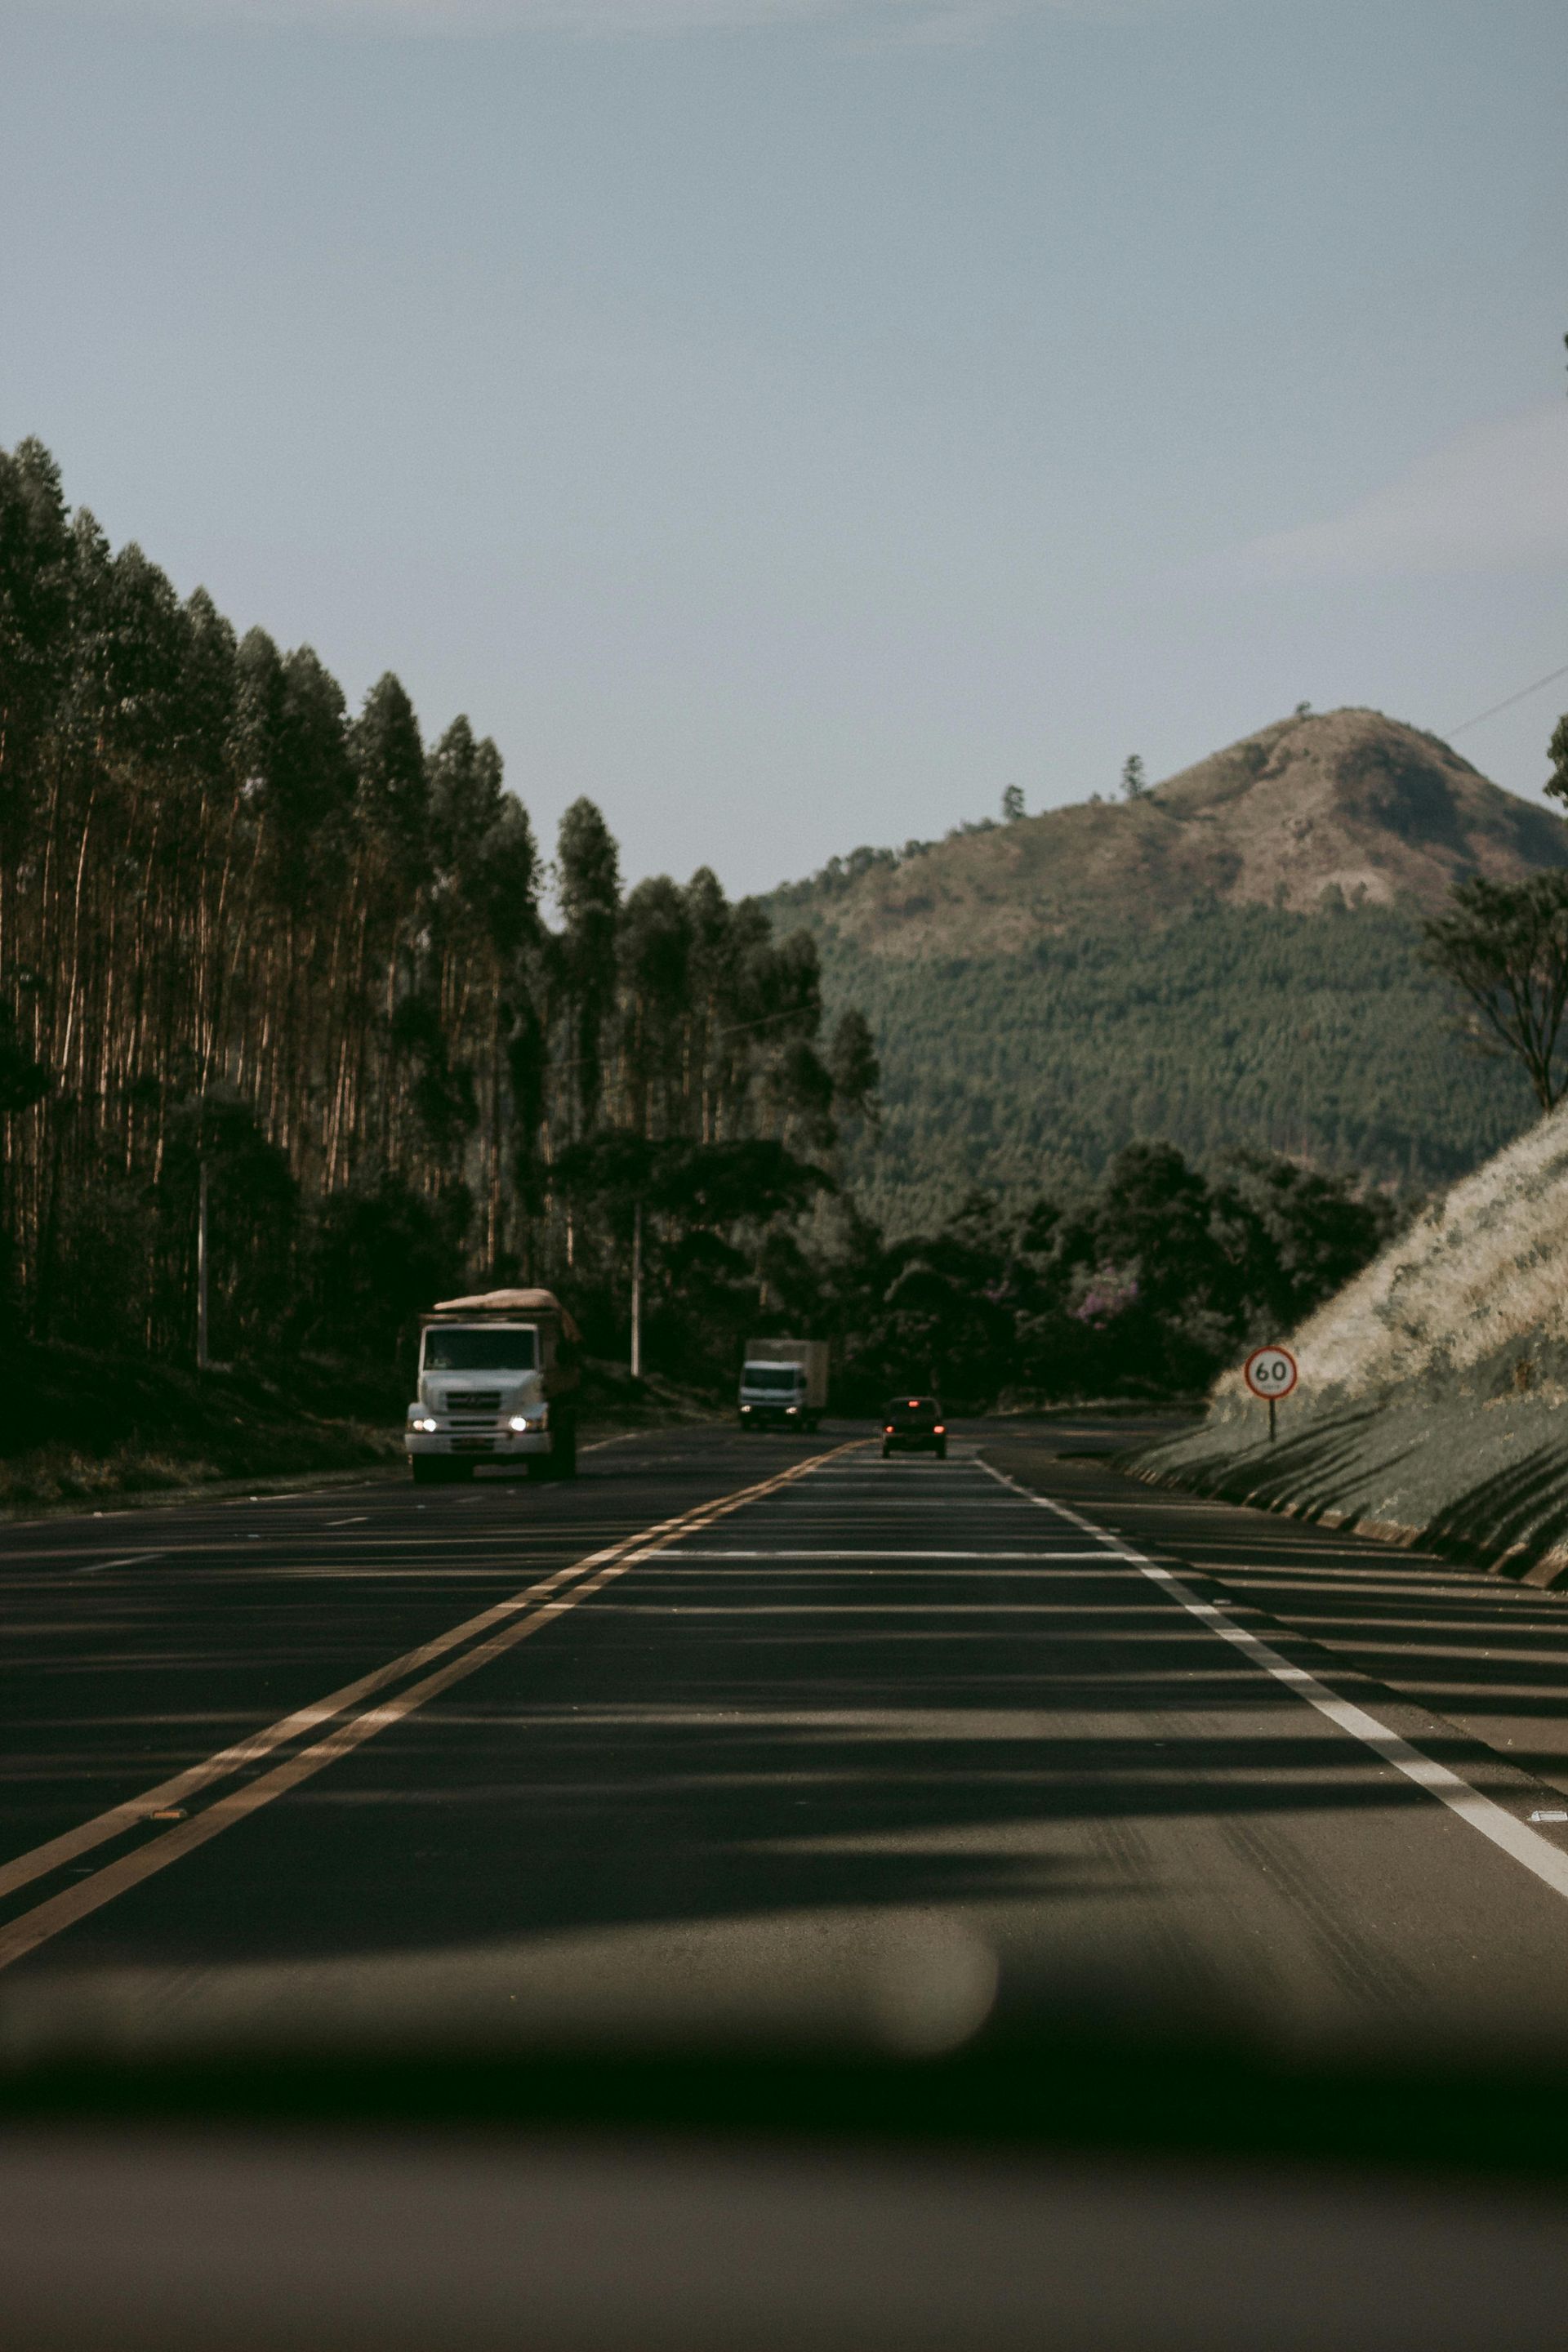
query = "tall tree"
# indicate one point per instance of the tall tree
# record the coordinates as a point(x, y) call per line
point(588, 887)
point(1557, 752)
point(34, 617)
point(655, 962)
point(1504, 947)
point(392, 790)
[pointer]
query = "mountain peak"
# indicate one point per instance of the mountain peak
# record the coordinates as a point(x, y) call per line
point(1323, 807)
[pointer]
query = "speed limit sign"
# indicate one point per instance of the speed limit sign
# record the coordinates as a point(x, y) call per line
point(1270, 1372)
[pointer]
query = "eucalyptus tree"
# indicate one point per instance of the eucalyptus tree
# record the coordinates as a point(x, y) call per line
point(485, 935)
point(588, 888)
point(710, 969)
point(304, 811)
point(34, 628)
point(656, 975)
point(383, 912)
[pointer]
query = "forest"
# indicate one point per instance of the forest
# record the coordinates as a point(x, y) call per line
point(318, 965)
point(1324, 1037)
point(243, 931)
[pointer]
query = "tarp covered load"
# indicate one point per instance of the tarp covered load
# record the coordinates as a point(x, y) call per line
point(512, 1302)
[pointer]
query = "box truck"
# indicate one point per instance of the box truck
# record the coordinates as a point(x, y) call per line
point(499, 1375)
point(783, 1384)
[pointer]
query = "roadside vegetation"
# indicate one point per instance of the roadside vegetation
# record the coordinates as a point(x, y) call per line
point(1143, 1285)
point(1433, 1403)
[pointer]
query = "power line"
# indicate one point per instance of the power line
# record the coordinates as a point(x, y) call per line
point(1509, 700)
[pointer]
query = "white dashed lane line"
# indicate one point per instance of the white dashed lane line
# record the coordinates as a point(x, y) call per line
point(130, 1560)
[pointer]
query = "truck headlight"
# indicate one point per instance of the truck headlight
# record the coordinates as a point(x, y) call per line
point(427, 1427)
point(519, 1421)
point(792, 1409)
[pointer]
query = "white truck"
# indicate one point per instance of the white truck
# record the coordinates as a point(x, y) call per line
point(783, 1384)
point(498, 1383)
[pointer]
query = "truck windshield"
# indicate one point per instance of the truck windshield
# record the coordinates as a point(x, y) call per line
point(772, 1376)
point(480, 1348)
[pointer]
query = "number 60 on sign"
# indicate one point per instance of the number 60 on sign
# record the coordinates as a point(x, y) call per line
point(1270, 1372)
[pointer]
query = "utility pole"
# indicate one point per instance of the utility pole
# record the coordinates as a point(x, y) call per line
point(202, 1265)
point(637, 1291)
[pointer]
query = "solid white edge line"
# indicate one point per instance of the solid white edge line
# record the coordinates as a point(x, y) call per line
point(1511, 1836)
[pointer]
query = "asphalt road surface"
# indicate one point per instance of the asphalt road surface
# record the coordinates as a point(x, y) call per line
point(753, 1735)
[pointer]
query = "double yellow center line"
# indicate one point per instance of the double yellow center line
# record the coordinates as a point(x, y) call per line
point(476, 1642)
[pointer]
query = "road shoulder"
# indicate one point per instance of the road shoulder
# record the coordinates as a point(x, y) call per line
point(1470, 1670)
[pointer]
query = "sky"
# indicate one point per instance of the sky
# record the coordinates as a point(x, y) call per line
point(792, 422)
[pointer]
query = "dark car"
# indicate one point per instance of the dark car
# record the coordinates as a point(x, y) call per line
point(914, 1422)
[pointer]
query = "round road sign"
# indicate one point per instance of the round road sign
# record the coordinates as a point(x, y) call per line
point(1270, 1372)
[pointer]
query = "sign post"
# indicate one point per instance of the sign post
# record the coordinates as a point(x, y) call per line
point(1270, 1373)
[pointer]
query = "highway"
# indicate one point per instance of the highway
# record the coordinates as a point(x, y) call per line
point(744, 1735)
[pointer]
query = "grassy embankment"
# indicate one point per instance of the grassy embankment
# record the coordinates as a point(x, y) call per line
point(85, 1428)
point(1434, 1400)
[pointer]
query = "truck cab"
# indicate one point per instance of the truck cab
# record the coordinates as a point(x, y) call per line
point(497, 1381)
point(783, 1384)
point(774, 1396)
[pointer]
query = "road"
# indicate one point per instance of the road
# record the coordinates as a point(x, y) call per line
point(745, 1735)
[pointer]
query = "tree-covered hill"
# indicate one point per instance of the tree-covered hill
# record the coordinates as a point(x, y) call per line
point(1319, 1036)
point(1231, 958)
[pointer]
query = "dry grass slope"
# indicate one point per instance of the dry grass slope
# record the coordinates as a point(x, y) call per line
point(1434, 1396)
point(1479, 1283)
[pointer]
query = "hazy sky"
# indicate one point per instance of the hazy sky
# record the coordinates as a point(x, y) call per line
point(791, 421)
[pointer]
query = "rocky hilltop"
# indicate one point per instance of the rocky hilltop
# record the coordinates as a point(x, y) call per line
point(1319, 809)
point(1232, 959)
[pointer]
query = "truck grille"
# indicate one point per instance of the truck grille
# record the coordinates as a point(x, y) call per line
point(473, 1399)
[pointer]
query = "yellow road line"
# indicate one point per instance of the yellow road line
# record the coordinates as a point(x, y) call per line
point(511, 1621)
